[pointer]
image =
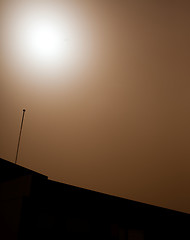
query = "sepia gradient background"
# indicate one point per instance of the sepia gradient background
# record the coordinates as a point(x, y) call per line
point(119, 123)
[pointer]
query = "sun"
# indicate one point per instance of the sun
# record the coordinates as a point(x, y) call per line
point(44, 39)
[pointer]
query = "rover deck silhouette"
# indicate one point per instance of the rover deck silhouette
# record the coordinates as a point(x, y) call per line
point(34, 207)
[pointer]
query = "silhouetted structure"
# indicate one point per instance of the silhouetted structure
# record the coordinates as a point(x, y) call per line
point(33, 207)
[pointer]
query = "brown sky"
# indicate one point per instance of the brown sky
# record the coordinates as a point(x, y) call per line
point(122, 125)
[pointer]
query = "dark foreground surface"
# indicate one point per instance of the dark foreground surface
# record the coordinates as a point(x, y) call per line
point(33, 207)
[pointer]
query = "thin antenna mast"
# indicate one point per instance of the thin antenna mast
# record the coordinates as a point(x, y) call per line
point(20, 136)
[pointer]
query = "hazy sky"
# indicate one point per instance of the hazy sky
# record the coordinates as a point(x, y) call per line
point(115, 117)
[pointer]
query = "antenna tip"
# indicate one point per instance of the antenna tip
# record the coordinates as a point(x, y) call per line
point(24, 110)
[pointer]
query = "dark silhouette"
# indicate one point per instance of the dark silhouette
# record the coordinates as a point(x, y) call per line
point(33, 207)
point(21, 125)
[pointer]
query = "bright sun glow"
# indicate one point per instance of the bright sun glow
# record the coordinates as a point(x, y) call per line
point(44, 39)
